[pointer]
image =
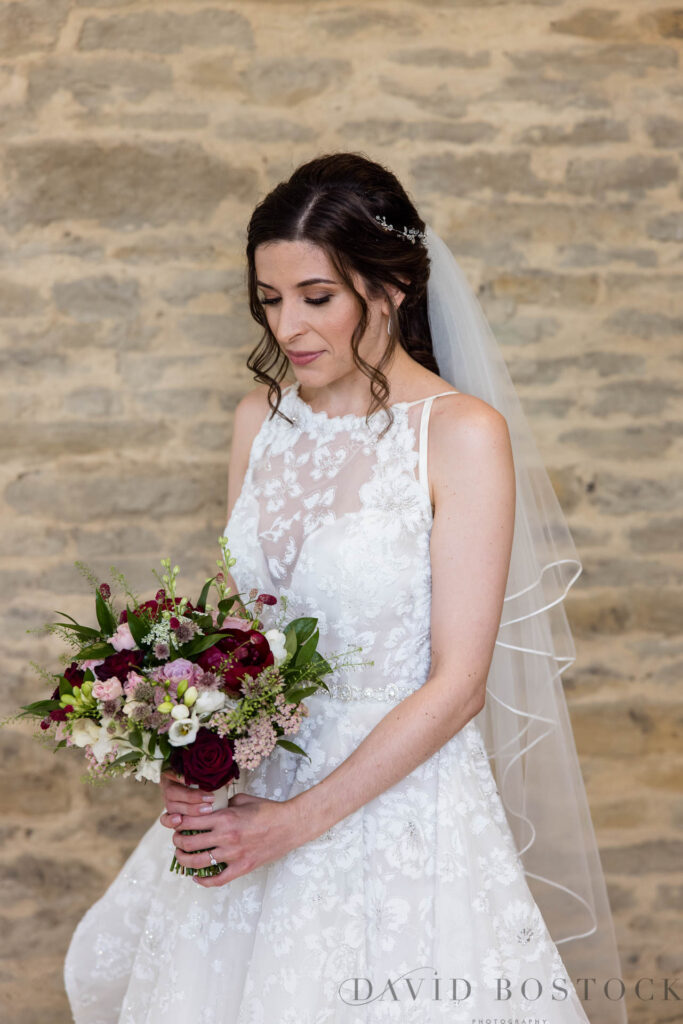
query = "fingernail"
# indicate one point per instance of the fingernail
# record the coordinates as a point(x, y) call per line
point(205, 809)
point(176, 819)
point(208, 799)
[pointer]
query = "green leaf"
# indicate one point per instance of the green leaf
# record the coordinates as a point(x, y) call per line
point(294, 696)
point(288, 745)
point(66, 616)
point(152, 743)
point(105, 616)
point(303, 628)
point(65, 686)
point(139, 627)
point(199, 644)
point(135, 737)
point(305, 653)
point(132, 755)
point(99, 650)
point(201, 603)
point(225, 604)
point(84, 632)
point(41, 707)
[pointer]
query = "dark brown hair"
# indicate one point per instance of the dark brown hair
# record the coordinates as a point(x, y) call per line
point(332, 201)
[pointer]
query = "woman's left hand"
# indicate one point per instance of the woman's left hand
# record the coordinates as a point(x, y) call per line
point(249, 832)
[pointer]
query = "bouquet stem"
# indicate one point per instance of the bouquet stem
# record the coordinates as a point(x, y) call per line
point(221, 798)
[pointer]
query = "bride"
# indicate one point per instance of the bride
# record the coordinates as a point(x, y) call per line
point(392, 491)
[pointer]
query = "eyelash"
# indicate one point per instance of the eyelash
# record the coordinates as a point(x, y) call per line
point(313, 302)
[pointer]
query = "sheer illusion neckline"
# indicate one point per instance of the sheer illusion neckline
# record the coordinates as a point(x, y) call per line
point(321, 416)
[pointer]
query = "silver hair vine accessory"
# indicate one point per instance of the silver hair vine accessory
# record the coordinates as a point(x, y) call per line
point(411, 234)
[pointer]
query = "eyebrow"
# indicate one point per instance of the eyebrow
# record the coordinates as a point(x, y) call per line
point(301, 284)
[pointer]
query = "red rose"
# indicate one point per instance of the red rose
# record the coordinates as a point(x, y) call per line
point(118, 664)
point(207, 763)
point(249, 654)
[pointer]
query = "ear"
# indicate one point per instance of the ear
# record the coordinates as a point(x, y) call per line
point(397, 296)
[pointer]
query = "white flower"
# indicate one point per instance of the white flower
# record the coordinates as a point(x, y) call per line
point(103, 745)
point(180, 711)
point(276, 641)
point(130, 705)
point(149, 770)
point(107, 741)
point(209, 701)
point(85, 731)
point(183, 731)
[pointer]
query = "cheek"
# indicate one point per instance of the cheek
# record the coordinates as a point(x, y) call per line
point(339, 322)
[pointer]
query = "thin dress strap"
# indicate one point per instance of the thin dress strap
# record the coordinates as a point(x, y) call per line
point(424, 422)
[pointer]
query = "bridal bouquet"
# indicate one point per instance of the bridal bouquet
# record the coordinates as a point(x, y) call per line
point(167, 684)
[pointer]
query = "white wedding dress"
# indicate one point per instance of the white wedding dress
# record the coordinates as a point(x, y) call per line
point(421, 884)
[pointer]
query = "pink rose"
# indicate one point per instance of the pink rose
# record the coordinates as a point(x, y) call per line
point(91, 663)
point(107, 689)
point(122, 640)
point(132, 680)
point(179, 668)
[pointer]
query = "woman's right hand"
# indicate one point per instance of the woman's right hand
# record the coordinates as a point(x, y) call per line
point(181, 799)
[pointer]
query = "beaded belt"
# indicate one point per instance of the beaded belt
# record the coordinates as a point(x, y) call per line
point(345, 691)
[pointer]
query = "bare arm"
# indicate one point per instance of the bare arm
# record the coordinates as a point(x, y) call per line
point(250, 413)
point(474, 496)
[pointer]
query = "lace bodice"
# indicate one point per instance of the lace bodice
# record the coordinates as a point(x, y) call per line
point(337, 520)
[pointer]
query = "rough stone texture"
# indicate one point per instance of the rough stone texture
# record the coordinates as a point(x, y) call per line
point(542, 140)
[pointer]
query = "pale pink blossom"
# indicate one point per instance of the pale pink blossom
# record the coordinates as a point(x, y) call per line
point(107, 689)
point(174, 671)
point(91, 663)
point(122, 640)
point(231, 621)
point(259, 743)
point(132, 680)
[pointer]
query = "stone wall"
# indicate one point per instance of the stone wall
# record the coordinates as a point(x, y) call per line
point(542, 140)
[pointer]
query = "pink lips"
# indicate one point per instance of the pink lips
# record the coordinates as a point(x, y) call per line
point(299, 358)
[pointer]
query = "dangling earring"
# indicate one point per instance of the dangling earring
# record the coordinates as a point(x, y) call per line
point(389, 326)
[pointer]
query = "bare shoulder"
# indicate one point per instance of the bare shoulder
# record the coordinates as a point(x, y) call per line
point(253, 407)
point(464, 416)
point(468, 437)
point(250, 414)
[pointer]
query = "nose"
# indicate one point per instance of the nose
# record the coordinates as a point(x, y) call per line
point(289, 322)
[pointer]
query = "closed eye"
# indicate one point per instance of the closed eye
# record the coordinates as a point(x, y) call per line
point(312, 302)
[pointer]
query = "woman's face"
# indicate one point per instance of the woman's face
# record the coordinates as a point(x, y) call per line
point(311, 310)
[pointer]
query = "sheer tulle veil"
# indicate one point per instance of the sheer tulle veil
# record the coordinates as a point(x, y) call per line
point(525, 722)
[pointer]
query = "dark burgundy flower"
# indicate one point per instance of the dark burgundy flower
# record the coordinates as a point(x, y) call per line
point(153, 607)
point(74, 674)
point(160, 594)
point(207, 763)
point(249, 653)
point(174, 622)
point(267, 599)
point(105, 591)
point(118, 664)
point(59, 714)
